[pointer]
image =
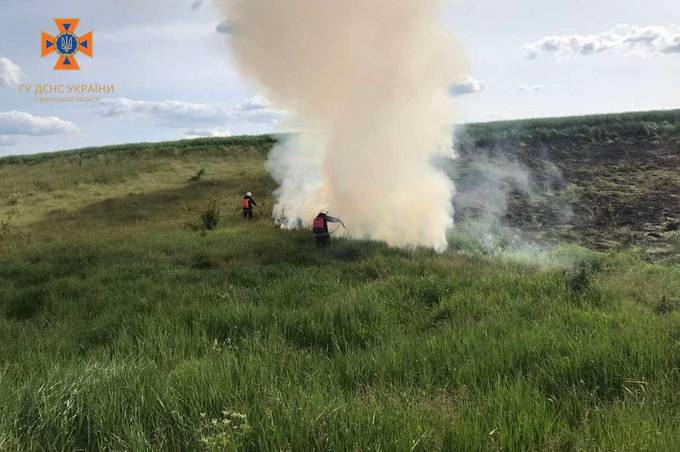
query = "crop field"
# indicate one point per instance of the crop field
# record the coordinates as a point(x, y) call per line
point(125, 325)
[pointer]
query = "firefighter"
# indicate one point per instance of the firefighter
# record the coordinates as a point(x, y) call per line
point(247, 204)
point(320, 228)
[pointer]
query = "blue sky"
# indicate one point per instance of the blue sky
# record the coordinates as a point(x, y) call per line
point(174, 77)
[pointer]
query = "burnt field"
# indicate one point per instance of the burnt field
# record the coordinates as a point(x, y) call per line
point(606, 182)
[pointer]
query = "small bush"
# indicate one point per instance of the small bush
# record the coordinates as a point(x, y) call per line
point(579, 282)
point(211, 217)
point(5, 228)
point(580, 286)
point(198, 176)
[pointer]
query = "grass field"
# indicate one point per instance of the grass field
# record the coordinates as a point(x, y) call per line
point(124, 327)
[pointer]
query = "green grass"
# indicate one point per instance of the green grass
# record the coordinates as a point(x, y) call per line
point(575, 129)
point(123, 327)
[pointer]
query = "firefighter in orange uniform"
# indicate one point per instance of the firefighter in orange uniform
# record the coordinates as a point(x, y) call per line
point(320, 228)
point(247, 204)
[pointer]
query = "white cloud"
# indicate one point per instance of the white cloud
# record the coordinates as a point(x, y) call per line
point(20, 123)
point(466, 84)
point(207, 133)
point(630, 39)
point(164, 111)
point(177, 114)
point(226, 27)
point(255, 103)
point(10, 73)
point(674, 47)
point(529, 88)
point(257, 109)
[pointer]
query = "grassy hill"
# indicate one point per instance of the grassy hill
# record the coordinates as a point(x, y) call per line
point(124, 327)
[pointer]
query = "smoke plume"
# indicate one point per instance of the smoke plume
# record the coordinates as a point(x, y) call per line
point(366, 83)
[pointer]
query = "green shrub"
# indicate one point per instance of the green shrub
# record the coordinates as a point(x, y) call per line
point(210, 218)
point(5, 228)
point(198, 176)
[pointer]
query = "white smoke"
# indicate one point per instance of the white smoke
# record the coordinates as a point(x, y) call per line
point(367, 82)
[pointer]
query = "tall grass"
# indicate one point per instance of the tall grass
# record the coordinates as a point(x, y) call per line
point(123, 328)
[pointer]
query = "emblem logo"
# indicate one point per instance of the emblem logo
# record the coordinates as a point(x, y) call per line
point(66, 44)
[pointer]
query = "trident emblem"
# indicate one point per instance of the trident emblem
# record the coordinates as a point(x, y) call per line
point(66, 44)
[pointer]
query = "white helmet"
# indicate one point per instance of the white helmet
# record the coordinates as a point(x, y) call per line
point(249, 194)
point(324, 211)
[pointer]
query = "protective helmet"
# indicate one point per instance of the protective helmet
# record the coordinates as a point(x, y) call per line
point(249, 194)
point(324, 212)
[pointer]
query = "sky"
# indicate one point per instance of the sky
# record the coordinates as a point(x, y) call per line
point(174, 77)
